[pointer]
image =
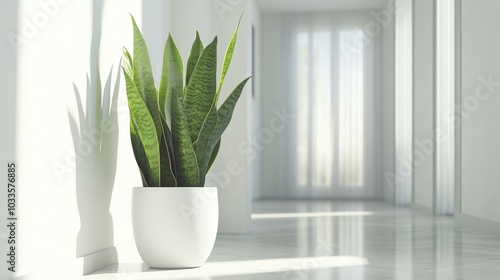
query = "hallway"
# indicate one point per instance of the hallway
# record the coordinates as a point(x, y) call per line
point(338, 240)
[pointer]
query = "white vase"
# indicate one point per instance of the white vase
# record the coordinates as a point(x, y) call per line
point(175, 227)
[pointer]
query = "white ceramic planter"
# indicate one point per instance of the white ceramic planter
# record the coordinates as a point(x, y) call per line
point(175, 227)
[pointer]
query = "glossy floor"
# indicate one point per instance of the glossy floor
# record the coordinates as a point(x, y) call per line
point(338, 240)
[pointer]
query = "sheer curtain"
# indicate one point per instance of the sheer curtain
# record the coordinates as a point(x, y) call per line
point(328, 67)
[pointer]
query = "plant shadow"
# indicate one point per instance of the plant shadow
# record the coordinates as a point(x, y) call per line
point(95, 137)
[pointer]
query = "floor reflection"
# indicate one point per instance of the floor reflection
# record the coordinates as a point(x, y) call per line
point(309, 214)
point(314, 241)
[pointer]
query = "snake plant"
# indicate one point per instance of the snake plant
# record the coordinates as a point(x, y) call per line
point(176, 129)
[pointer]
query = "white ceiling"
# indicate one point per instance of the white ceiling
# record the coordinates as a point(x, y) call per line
point(286, 6)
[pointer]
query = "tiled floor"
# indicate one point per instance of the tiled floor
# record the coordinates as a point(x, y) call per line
point(295, 240)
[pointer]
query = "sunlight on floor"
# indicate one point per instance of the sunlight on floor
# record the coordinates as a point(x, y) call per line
point(310, 214)
point(292, 266)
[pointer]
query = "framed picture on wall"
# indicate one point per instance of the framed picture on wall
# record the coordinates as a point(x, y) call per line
point(253, 61)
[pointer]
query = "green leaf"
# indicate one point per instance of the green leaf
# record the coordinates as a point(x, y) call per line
point(187, 170)
point(225, 112)
point(213, 156)
point(144, 133)
point(224, 115)
point(128, 62)
point(171, 77)
point(200, 92)
point(139, 154)
point(180, 156)
point(201, 144)
point(167, 158)
point(143, 77)
point(227, 59)
point(194, 56)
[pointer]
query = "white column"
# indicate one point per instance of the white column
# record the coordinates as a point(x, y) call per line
point(404, 101)
point(445, 107)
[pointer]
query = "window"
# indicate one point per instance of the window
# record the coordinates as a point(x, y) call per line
point(324, 111)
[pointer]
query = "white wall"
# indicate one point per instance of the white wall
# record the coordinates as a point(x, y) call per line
point(423, 102)
point(255, 110)
point(271, 95)
point(57, 202)
point(156, 24)
point(388, 121)
point(480, 102)
point(186, 20)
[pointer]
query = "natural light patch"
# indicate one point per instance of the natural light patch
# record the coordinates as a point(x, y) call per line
point(331, 116)
point(288, 266)
point(403, 100)
point(303, 53)
point(322, 148)
point(310, 214)
point(351, 112)
point(285, 265)
point(445, 104)
point(315, 140)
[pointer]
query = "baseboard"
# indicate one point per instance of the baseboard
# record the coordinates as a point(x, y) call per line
point(480, 223)
point(422, 209)
point(75, 268)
